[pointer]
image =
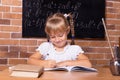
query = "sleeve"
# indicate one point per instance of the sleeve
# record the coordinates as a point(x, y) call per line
point(76, 51)
point(43, 48)
point(80, 50)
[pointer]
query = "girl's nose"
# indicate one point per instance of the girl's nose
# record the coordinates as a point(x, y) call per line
point(57, 39)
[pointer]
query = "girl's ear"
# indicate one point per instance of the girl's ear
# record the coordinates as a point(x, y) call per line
point(68, 30)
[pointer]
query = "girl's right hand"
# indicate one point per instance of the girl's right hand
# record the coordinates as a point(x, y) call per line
point(50, 63)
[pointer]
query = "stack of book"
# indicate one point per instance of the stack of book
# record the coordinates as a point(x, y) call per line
point(26, 70)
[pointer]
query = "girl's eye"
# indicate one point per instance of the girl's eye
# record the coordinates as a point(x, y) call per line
point(58, 35)
point(52, 36)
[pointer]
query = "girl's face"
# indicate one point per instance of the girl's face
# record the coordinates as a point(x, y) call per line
point(59, 39)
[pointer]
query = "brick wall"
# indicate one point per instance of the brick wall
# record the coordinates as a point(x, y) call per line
point(14, 49)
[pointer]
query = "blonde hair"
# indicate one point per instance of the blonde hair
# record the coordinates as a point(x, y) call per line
point(56, 23)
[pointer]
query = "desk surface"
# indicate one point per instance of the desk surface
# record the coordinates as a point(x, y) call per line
point(102, 74)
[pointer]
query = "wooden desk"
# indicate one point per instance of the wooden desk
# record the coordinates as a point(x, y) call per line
point(103, 74)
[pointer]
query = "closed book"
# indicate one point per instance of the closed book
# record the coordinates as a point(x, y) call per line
point(27, 70)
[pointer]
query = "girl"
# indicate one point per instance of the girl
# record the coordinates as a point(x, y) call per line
point(58, 52)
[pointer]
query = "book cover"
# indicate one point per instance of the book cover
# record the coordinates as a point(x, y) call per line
point(72, 68)
point(26, 70)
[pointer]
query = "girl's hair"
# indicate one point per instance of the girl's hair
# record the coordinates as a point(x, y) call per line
point(55, 23)
point(59, 23)
point(72, 29)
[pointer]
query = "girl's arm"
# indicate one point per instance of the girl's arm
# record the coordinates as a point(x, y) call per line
point(36, 59)
point(82, 60)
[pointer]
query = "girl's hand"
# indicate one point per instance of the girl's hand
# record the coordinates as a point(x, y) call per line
point(50, 63)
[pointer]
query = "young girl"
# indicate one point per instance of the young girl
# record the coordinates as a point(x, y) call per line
point(58, 51)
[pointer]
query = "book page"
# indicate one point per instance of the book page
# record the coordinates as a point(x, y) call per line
point(71, 68)
point(56, 69)
point(68, 68)
point(82, 68)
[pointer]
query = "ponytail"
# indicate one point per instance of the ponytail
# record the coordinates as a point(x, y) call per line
point(71, 23)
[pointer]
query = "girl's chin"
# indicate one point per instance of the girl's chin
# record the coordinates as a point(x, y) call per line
point(59, 45)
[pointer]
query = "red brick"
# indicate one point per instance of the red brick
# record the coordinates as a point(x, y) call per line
point(92, 43)
point(8, 55)
point(4, 9)
point(114, 38)
point(12, 2)
point(4, 21)
point(9, 42)
point(31, 49)
point(109, 4)
point(118, 12)
point(1, 14)
point(110, 15)
point(108, 56)
point(4, 35)
point(113, 21)
point(117, 27)
point(100, 62)
point(95, 56)
point(17, 61)
point(12, 16)
point(25, 55)
point(16, 35)
point(118, 16)
point(3, 48)
point(16, 9)
point(16, 22)
point(111, 10)
point(23, 48)
point(10, 28)
point(28, 42)
point(116, 32)
point(14, 49)
point(116, 5)
point(41, 40)
point(111, 27)
point(3, 61)
point(96, 50)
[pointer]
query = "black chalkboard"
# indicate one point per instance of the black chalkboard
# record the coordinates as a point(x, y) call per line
point(87, 15)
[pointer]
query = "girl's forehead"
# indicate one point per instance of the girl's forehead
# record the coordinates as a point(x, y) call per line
point(56, 31)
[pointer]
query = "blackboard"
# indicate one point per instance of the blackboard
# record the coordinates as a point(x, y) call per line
point(87, 15)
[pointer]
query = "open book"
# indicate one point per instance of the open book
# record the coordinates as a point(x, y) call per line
point(26, 70)
point(72, 68)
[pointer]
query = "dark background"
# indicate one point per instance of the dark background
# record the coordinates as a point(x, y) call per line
point(87, 16)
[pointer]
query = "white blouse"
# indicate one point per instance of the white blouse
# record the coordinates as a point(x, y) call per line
point(48, 52)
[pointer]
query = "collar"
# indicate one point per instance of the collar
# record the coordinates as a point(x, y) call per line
point(65, 48)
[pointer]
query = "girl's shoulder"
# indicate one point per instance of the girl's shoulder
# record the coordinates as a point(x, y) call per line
point(76, 48)
point(44, 47)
